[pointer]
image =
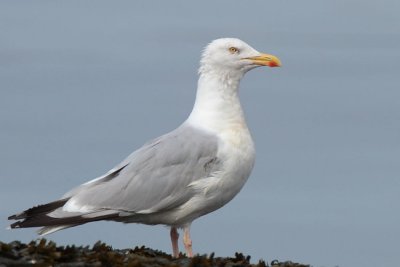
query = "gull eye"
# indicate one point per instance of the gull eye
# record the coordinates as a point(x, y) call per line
point(233, 50)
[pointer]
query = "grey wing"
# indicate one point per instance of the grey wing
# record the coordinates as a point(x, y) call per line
point(153, 178)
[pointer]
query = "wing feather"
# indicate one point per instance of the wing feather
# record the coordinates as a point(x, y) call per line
point(154, 178)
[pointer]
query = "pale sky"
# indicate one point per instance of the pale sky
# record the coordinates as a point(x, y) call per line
point(84, 83)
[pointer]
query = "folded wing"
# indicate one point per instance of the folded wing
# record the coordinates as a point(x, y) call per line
point(154, 178)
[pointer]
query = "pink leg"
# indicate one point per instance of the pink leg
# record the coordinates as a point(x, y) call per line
point(187, 241)
point(174, 240)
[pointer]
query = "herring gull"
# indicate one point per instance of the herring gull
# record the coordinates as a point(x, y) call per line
point(180, 176)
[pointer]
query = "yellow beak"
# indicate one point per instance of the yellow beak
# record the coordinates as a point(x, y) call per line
point(265, 60)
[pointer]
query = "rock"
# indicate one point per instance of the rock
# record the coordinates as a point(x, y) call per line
point(43, 253)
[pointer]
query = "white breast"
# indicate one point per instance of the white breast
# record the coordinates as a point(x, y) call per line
point(238, 154)
point(217, 110)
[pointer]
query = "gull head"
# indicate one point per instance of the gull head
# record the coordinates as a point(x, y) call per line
point(233, 57)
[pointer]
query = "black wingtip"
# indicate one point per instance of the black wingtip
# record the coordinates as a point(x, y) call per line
point(15, 225)
point(38, 210)
point(17, 216)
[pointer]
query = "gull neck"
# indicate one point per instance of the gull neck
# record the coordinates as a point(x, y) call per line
point(217, 106)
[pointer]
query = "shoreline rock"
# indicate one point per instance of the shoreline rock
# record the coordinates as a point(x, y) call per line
point(44, 253)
